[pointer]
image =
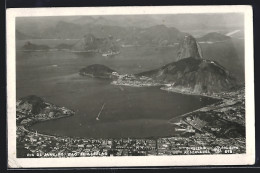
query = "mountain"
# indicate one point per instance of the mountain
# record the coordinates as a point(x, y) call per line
point(189, 48)
point(89, 42)
point(97, 70)
point(213, 37)
point(92, 43)
point(197, 75)
point(193, 73)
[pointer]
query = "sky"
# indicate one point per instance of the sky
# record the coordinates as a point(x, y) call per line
point(183, 22)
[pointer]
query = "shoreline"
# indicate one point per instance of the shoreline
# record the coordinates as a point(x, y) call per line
point(136, 86)
point(164, 88)
point(27, 127)
point(175, 90)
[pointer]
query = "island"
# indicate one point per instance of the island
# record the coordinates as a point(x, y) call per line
point(97, 71)
point(28, 46)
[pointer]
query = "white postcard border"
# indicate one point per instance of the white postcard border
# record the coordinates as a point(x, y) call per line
point(177, 160)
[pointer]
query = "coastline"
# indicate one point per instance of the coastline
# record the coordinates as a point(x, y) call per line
point(175, 90)
point(173, 120)
point(28, 128)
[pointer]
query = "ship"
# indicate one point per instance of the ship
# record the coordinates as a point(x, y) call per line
point(110, 53)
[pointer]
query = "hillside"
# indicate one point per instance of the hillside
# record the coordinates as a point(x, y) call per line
point(31, 104)
point(198, 75)
point(33, 108)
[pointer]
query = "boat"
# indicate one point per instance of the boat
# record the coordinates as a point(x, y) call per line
point(97, 118)
point(110, 53)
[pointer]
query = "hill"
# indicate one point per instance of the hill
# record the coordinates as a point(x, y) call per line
point(31, 104)
point(97, 70)
point(32, 109)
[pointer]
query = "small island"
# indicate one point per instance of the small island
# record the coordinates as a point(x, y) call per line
point(98, 71)
point(28, 46)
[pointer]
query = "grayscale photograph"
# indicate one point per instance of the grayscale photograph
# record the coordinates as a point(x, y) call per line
point(130, 85)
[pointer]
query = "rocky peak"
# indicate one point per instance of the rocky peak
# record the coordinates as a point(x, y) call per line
point(189, 48)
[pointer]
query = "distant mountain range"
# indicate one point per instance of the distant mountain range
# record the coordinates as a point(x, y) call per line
point(128, 35)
